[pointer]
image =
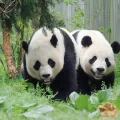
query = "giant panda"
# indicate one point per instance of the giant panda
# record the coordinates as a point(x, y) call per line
point(96, 60)
point(51, 59)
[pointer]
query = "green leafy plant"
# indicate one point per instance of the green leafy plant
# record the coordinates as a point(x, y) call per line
point(76, 20)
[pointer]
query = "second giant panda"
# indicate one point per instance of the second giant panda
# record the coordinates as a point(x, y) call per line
point(96, 60)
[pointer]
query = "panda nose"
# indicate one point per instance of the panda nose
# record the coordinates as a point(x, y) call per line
point(45, 75)
point(100, 69)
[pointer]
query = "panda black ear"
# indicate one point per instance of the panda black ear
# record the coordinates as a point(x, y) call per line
point(25, 46)
point(54, 40)
point(116, 47)
point(86, 41)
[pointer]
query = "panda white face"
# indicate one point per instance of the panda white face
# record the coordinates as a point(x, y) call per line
point(44, 65)
point(98, 62)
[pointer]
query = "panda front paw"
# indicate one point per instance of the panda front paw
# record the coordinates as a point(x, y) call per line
point(85, 91)
point(60, 97)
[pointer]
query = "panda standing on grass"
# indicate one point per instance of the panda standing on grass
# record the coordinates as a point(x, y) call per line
point(51, 59)
point(97, 61)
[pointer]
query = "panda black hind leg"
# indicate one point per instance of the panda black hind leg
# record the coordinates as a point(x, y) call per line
point(83, 82)
point(109, 80)
point(25, 74)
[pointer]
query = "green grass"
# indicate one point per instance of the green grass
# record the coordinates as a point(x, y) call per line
point(17, 103)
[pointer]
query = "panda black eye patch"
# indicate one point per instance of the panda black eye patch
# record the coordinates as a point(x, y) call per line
point(107, 62)
point(37, 65)
point(91, 61)
point(51, 63)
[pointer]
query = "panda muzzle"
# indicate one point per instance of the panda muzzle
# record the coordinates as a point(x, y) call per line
point(47, 81)
point(97, 75)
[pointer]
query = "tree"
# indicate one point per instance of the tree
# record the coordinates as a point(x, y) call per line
point(24, 10)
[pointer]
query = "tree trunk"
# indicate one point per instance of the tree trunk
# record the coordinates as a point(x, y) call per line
point(8, 53)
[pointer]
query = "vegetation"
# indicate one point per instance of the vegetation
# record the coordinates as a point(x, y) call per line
point(19, 103)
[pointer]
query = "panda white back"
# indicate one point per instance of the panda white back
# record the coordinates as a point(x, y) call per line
point(97, 37)
point(43, 37)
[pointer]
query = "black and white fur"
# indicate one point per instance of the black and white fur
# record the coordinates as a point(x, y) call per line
point(51, 59)
point(97, 61)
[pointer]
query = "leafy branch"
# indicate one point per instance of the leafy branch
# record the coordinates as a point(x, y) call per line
point(8, 8)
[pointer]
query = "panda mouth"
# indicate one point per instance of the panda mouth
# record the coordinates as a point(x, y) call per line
point(47, 81)
point(97, 75)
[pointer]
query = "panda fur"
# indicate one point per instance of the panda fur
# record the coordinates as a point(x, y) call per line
point(51, 59)
point(96, 57)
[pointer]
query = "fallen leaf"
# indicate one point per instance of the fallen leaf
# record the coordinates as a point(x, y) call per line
point(107, 110)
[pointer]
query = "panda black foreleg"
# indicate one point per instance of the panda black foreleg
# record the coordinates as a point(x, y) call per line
point(25, 74)
point(109, 80)
point(27, 77)
point(60, 96)
point(83, 82)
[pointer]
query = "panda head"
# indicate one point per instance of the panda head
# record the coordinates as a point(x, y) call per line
point(43, 57)
point(98, 60)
